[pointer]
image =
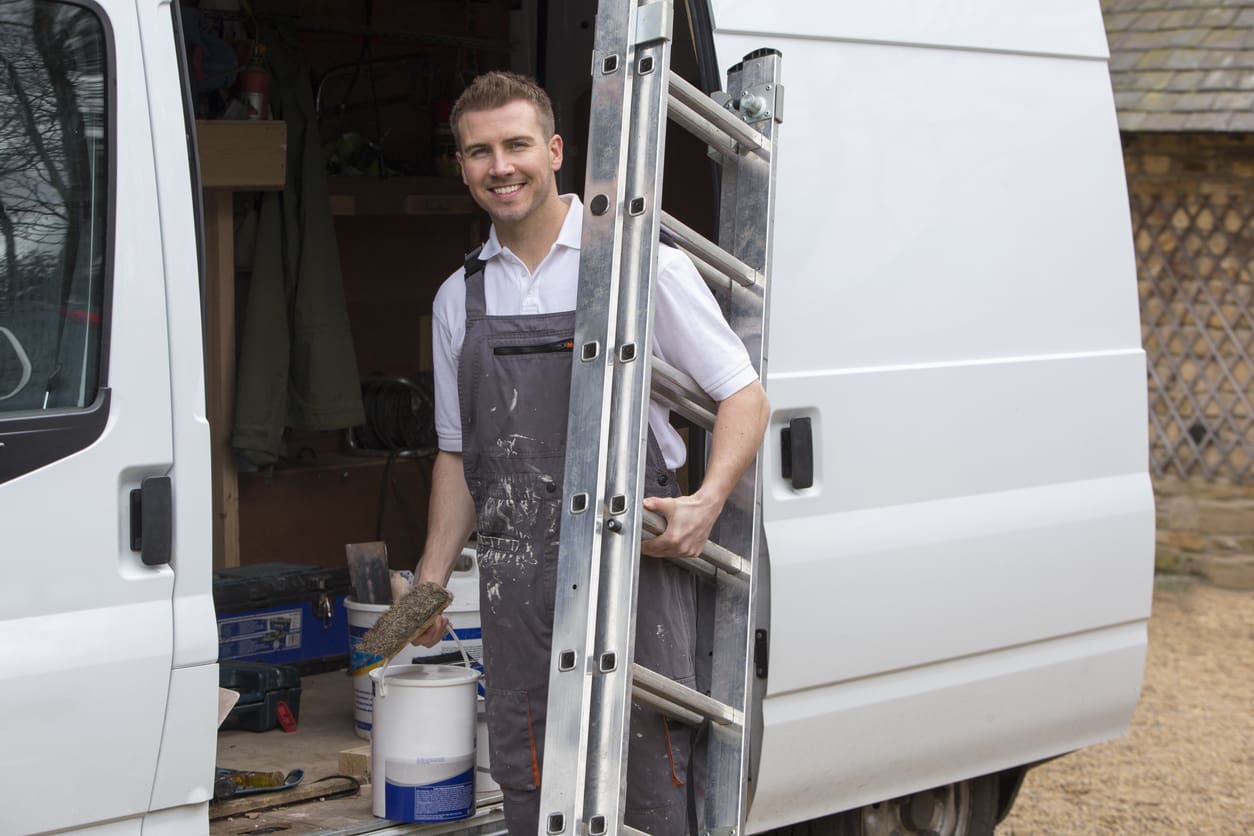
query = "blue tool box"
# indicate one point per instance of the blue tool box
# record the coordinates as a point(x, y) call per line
point(283, 614)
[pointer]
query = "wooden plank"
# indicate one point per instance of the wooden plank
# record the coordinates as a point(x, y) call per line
point(356, 762)
point(242, 154)
point(282, 798)
point(220, 373)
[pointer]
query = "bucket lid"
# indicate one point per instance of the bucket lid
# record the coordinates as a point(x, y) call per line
point(425, 676)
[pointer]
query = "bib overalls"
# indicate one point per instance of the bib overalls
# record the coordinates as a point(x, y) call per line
point(514, 391)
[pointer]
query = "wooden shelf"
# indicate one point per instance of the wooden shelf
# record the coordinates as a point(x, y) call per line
point(242, 155)
point(399, 196)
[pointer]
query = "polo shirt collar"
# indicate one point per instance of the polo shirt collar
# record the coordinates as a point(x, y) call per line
point(569, 236)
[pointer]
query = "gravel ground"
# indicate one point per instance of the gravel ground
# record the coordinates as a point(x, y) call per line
point(1188, 764)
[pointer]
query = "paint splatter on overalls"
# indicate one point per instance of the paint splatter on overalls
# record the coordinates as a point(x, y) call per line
point(514, 391)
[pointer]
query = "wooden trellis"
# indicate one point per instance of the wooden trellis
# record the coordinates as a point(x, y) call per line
point(1195, 252)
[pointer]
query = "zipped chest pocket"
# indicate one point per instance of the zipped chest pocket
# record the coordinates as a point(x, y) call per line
point(550, 347)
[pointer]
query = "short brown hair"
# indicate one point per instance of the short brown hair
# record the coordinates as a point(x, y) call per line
point(498, 88)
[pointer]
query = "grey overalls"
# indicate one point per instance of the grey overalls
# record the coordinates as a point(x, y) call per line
point(514, 390)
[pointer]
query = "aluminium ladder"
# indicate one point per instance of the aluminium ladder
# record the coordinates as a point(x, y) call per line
point(593, 678)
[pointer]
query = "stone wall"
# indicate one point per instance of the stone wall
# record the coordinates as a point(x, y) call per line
point(1206, 529)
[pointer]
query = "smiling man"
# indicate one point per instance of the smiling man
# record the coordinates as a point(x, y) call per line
point(503, 330)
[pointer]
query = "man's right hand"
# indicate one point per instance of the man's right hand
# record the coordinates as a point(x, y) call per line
point(431, 636)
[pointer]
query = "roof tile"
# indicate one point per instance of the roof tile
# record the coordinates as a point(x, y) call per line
point(1182, 64)
point(1185, 59)
point(1185, 81)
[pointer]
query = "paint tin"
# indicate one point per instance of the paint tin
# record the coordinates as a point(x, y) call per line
point(463, 616)
point(422, 750)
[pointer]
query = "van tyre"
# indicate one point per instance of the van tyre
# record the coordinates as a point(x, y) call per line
point(967, 808)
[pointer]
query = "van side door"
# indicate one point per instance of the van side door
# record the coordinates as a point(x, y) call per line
point(86, 624)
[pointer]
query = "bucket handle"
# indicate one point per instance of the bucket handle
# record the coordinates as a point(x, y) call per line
point(383, 688)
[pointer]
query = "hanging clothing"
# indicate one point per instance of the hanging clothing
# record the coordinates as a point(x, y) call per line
point(297, 366)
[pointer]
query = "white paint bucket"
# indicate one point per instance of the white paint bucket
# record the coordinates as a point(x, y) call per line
point(463, 616)
point(422, 750)
point(361, 617)
point(484, 785)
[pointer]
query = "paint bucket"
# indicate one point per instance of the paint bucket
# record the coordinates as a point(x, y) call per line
point(484, 784)
point(422, 750)
point(463, 616)
point(361, 617)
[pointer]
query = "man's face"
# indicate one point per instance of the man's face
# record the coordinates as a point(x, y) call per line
point(507, 161)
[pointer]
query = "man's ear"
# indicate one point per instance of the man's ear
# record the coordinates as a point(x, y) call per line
point(461, 168)
point(555, 152)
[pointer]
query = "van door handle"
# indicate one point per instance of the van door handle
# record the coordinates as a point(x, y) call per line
point(152, 520)
point(797, 453)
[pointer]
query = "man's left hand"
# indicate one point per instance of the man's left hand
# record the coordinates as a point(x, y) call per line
point(689, 520)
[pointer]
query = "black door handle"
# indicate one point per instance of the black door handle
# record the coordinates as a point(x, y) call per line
point(152, 520)
point(797, 453)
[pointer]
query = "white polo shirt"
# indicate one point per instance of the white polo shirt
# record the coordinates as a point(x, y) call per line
point(689, 331)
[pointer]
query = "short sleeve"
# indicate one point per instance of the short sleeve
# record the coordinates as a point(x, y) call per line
point(690, 333)
point(448, 332)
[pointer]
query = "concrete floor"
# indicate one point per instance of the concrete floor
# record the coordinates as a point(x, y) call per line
point(324, 728)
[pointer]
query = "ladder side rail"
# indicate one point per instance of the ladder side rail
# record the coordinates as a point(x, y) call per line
point(610, 715)
point(566, 734)
point(746, 233)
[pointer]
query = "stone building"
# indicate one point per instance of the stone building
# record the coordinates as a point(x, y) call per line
point(1183, 77)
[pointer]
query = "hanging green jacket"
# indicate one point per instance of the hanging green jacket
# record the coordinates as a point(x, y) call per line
point(297, 366)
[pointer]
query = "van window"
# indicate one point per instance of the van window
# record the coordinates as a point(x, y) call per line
point(54, 189)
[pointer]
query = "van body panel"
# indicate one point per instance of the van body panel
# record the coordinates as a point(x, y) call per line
point(958, 226)
point(189, 743)
point(887, 736)
point(195, 625)
point(86, 628)
point(1058, 27)
point(965, 588)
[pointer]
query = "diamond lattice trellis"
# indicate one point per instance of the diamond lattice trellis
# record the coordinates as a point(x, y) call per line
point(1194, 253)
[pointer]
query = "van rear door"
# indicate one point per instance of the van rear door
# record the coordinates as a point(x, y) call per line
point(86, 628)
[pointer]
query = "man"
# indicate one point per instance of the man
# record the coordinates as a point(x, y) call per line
point(502, 327)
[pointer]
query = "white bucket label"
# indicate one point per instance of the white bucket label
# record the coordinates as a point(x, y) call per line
point(360, 664)
point(429, 789)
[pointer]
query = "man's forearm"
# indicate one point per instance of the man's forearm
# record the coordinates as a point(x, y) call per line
point(738, 430)
point(450, 519)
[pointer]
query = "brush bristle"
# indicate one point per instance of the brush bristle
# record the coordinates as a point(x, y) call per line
point(408, 616)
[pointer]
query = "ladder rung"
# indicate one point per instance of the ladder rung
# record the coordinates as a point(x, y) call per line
point(687, 698)
point(666, 707)
point(702, 128)
point(711, 553)
point(697, 245)
point(718, 127)
point(682, 394)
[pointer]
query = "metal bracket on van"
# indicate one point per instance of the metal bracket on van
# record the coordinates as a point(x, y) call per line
point(761, 102)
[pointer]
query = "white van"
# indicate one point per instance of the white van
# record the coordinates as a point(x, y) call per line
point(963, 592)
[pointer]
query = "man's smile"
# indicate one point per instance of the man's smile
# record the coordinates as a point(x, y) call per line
point(510, 189)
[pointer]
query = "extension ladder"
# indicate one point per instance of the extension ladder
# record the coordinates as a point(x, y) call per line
point(593, 677)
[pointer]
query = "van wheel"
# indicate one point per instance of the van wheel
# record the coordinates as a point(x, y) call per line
point(968, 808)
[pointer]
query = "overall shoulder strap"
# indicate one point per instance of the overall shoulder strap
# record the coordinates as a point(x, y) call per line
point(476, 305)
